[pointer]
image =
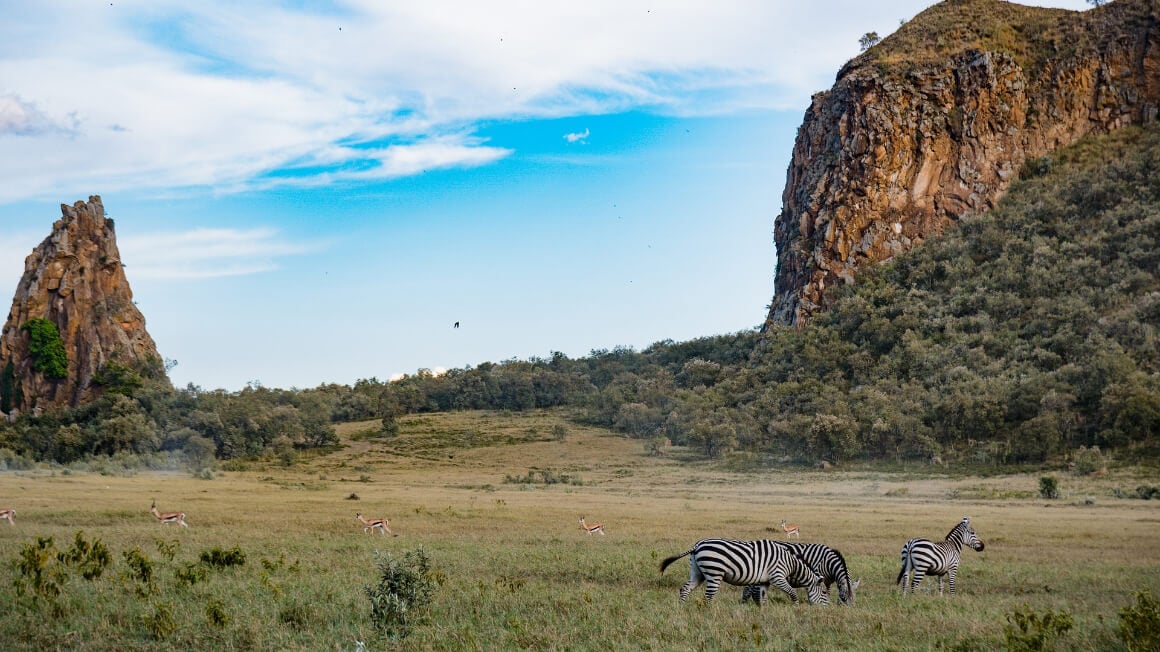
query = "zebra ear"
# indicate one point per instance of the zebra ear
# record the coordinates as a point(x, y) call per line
point(966, 520)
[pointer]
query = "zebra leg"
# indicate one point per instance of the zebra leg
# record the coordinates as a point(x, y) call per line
point(695, 579)
point(915, 578)
point(951, 578)
point(940, 584)
point(781, 583)
point(711, 586)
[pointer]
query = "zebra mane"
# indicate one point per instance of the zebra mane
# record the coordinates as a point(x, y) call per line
point(962, 525)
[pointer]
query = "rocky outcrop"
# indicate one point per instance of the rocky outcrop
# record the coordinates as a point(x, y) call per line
point(75, 280)
point(935, 122)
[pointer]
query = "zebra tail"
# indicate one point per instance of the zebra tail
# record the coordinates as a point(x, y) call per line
point(900, 574)
point(665, 563)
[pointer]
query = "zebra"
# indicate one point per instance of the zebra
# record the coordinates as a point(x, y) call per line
point(746, 562)
point(925, 557)
point(823, 560)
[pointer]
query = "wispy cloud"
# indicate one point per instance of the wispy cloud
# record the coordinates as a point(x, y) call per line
point(577, 137)
point(21, 118)
point(206, 253)
point(225, 95)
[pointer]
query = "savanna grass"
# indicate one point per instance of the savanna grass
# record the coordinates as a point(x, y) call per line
point(517, 572)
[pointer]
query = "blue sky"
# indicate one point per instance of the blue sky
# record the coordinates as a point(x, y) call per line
point(314, 192)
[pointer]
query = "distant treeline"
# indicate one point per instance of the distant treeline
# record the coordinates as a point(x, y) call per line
point(1020, 335)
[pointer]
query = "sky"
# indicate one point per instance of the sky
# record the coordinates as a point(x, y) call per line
point(317, 192)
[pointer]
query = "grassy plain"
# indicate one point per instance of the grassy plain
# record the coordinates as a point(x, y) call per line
point(519, 573)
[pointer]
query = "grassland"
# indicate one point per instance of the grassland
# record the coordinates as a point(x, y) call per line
point(518, 572)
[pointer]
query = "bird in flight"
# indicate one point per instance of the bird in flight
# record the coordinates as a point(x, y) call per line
point(456, 325)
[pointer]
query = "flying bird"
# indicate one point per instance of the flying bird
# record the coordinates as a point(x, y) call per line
point(456, 325)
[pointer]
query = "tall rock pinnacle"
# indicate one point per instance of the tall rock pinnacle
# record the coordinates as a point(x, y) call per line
point(73, 281)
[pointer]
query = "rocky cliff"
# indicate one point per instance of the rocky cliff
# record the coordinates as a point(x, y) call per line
point(75, 280)
point(933, 124)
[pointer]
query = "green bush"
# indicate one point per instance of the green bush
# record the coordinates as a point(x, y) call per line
point(1140, 624)
point(217, 558)
point(46, 347)
point(91, 559)
point(405, 589)
point(1027, 631)
point(42, 573)
point(1049, 487)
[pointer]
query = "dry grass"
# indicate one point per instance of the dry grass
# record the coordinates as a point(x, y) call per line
point(520, 573)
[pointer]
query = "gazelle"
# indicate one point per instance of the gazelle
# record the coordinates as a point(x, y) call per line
point(592, 529)
point(382, 524)
point(791, 530)
point(9, 514)
point(168, 517)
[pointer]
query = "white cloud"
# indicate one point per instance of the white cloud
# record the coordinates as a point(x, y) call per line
point(206, 253)
point(21, 118)
point(218, 94)
point(577, 137)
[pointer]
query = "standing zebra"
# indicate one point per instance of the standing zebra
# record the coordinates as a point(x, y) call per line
point(925, 557)
point(823, 560)
point(746, 562)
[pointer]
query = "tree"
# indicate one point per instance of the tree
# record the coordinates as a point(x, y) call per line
point(870, 39)
point(1096, 3)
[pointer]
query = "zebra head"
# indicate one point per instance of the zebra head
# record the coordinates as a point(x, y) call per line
point(965, 535)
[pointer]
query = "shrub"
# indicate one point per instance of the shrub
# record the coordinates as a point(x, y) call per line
point(217, 558)
point(1049, 487)
point(140, 571)
point(191, 574)
point(46, 348)
point(41, 571)
point(1088, 460)
point(406, 586)
point(160, 622)
point(91, 559)
point(215, 613)
point(1028, 631)
point(1140, 624)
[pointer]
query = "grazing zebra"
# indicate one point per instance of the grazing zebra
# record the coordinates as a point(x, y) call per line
point(823, 560)
point(925, 557)
point(746, 562)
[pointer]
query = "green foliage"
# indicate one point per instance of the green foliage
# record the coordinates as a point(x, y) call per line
point(869, 40)
point(1049, 487)
point(42, 573)
point(140, 571)
point(117, 378)
point(90, 558)
point(1027, 631)
point(1140, 624)
point(220, 559)
point(1087, 460)
point(191, 574)
point(405, 588)
point(160, 622)
point(216, 614)
point(46, 348)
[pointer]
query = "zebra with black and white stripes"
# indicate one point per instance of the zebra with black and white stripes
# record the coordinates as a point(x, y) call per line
point(746, 562)
point(823, 560)
point(925, 557)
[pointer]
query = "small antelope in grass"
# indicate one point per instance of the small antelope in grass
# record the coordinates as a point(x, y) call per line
point(9, 514)
point(791, 530)
point(168, 517)
point(382, 524)
point(593, 528)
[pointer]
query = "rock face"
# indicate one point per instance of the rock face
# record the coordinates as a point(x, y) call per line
point(75, 280)
point(936, 121)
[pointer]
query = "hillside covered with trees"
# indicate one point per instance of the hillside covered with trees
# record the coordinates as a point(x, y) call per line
point(1018, 336)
